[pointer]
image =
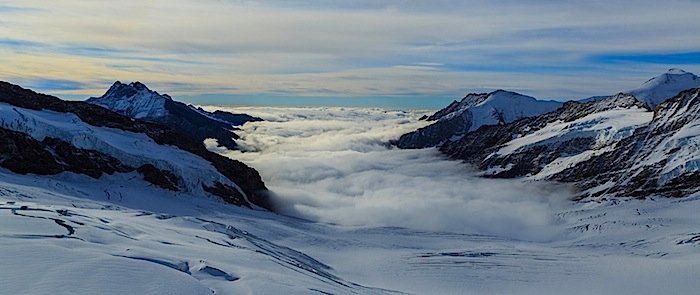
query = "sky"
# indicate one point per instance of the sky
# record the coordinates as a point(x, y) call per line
point(405, 53)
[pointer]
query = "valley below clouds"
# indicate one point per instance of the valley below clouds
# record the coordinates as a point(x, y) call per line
point(415, 221)
point(456, 231)
point(334, 165)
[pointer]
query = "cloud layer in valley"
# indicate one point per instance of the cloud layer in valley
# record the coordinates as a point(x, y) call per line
point(333, 165)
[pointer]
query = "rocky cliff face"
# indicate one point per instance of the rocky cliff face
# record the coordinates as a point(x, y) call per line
point(661, 158)
point(473, 111)
point(137, 101)
point(45, 135)
point(544, 145)
point(608, 146)
point(615, 147)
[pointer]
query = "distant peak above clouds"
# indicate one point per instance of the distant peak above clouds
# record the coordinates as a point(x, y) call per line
point(660, 88)
point(473, 111)
point(134, 100)
point(137, 101)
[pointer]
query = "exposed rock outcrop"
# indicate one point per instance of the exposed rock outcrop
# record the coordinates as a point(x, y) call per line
point(135, 100)
point(58, 155)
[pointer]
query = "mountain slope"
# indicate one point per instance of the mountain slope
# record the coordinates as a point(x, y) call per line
point(472, 112)
point(544, 145)
point(615, 147)
point(660, 88)
point(87, 139)
point(661, 158)
point(135, 100)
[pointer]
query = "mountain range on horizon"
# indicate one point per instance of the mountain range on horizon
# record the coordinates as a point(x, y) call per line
point(503, 133)
point(639, 143)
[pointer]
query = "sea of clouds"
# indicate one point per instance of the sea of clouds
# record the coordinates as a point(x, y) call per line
point(334, 165)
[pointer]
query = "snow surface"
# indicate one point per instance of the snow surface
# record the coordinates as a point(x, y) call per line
point(681, 148)
point(512, 106)
point(665, 86)
point(133, 149)
point(607, 128)
point(71, 234)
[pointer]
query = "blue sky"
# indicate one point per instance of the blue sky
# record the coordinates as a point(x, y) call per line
point(403, 53)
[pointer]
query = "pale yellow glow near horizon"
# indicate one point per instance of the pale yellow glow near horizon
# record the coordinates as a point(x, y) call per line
point(312, 47)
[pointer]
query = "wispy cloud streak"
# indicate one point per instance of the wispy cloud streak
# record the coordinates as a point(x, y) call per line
point(317, 47)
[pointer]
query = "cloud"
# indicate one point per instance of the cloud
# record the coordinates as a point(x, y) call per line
point(318, 47)
point(333, 165)
point(671, 58)
point(347, 48)
point(54, 84)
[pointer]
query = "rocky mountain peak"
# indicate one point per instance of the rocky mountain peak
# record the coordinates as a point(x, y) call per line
point(122, 90)
point(137, 101)
point(134, 100)
point(676, 71)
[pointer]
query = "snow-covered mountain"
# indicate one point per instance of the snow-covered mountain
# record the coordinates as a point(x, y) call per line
point(541, 146)
point(46, 136)
point(472, 112)
point(658, 89)
point(614, 147)
point(69, 233)
point(620, 145)
point(137, 101)
point(661, 158)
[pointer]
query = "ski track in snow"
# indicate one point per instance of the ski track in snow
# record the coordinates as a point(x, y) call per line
point(61, 234)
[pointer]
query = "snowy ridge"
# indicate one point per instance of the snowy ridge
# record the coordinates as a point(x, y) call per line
point(500, 107)
point(659, 159)
point(472, 112)
point(540, 147)
point(609, 122)
point(88, 139)
point(133, 149)
point(136, 101)
point(633, 144)
point(610, 148)
point(660, 88)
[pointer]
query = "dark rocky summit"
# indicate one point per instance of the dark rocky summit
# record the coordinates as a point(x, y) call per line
point(135, 100)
